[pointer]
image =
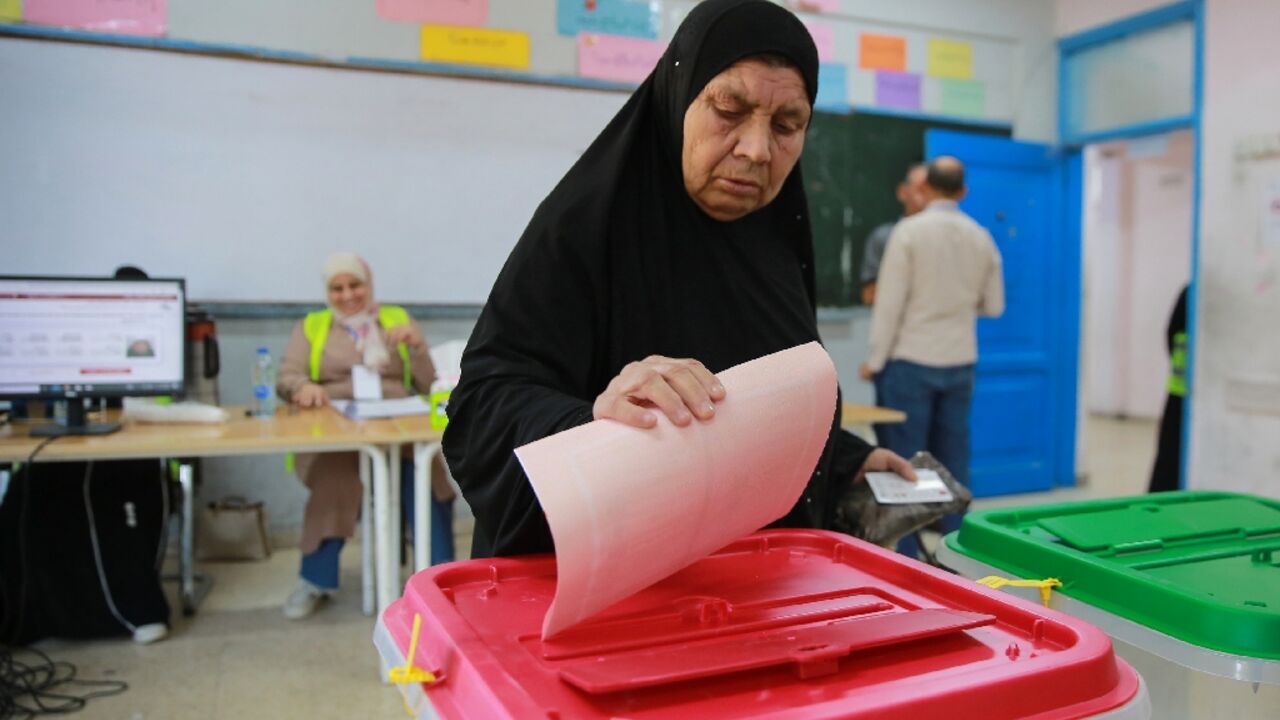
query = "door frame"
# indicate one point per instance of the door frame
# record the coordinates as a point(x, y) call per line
point(1072, 168)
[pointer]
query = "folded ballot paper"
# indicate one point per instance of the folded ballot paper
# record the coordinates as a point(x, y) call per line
point(628, 506)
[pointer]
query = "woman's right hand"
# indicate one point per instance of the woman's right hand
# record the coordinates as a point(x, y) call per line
point(681, 388)
point(311, 395)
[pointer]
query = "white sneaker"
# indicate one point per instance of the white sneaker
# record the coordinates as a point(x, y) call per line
point(304, 600)
point(149, 633)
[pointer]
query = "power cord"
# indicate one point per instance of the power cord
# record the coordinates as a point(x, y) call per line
point(40, 688)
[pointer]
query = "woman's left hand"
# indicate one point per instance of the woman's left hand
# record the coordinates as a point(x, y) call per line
point(407, 334)
point(885, 460)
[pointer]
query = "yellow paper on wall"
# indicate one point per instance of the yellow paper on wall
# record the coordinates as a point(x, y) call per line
point(10, 10)
point(950, 59)
point(475, 46)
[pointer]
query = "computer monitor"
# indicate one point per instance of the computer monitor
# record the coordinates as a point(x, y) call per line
point(69, 338)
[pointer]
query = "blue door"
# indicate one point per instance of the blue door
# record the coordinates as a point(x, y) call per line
point(1024, 408)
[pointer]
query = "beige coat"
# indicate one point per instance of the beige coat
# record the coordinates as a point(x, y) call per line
point(334, 478)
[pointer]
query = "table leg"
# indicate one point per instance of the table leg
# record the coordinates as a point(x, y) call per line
point(192, 586)
point(424, 455)
point(397, 533)
point(366, 538)
point(384, 575)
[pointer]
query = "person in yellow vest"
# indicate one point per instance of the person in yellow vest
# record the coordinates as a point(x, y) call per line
point(317, 367)
point(1166, 473)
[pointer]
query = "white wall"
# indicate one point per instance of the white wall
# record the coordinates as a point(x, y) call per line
point(1073, 16)
point(1137, 257)
point(1236, 391)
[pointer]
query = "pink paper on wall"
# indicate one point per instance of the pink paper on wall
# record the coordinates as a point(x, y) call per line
point(126, 17)
point(628, 507)
point(825, 38)
point(612, 57)
point(467, 13)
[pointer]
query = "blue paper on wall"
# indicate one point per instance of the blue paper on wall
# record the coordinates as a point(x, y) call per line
point(833, 87)
point(630, 18)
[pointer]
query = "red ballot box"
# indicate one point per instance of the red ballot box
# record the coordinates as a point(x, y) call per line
point(781, 624)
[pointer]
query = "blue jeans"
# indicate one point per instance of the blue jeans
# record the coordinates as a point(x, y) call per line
point(320, 568)
point(936, 401)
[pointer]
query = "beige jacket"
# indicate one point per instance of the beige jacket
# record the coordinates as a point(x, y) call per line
point(334, 478)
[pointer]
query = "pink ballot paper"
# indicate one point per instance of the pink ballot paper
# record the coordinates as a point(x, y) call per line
point(628, 507)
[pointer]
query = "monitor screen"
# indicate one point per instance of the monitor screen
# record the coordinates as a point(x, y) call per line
point(91, 337)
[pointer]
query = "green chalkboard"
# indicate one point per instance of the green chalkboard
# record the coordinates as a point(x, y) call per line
point(852, 166)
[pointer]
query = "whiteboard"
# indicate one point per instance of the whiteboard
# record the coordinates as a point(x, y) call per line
point(242, 176)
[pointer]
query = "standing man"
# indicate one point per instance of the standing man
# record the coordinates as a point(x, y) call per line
point(941, 272)
point(911, 195)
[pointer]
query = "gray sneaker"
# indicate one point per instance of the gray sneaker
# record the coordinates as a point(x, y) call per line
point(304, 600)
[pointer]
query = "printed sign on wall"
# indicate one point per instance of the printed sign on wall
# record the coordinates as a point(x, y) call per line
point(623, 59)
point(440, 12)
point(475, 46)
point(631, 18)
point(126, 17)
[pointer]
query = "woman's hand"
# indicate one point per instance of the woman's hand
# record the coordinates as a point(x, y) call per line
point(407, 334)
point(885, 460)
point(681, 388)
point(311, 395)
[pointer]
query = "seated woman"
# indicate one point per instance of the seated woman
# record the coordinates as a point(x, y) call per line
point(678, 246)
point(317, 368)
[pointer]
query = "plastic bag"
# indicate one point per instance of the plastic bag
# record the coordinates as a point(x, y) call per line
point(860, 515)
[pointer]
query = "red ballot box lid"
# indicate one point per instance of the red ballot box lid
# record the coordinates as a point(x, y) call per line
point(781, 624)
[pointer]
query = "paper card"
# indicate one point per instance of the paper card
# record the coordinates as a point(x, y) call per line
point(624, 59)
point(825, 38)
point(964, 97)
point(882, 52)
point(126, 17)
point(630, 18)
point(10, 10)
point(442, 12)
point(366, 383)
point(833, 88)
point(891, 489)
point(814, 6)
point(950, 59)
point(475, 46)
point(628, 506)
point(900, 91)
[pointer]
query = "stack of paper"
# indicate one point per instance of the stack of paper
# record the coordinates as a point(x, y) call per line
point(370, 409)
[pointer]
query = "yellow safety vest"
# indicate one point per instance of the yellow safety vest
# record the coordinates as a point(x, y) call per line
point(1178, 366)
point(316, 328)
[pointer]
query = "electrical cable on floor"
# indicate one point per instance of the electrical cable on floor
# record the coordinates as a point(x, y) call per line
point(40, 688)
point(45, 686)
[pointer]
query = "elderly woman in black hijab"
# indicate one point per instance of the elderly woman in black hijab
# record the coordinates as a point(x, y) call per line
point(678, 246)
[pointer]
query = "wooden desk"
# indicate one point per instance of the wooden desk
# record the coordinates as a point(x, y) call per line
point(859, 419)
point(378, 441)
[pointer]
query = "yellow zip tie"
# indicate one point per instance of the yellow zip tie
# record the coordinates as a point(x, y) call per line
point(407, 673)
point(995, 582)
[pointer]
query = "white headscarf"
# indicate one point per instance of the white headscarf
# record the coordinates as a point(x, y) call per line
point(363, 325)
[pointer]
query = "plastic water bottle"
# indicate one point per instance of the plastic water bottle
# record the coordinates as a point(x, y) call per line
point(264, 384)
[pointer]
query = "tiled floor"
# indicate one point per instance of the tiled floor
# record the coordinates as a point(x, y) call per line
point(239, 658)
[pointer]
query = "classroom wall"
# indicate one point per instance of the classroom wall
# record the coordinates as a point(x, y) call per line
point(1236, 404)
point(1073, 16)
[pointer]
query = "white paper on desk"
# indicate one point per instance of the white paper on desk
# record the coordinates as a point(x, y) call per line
point(628, 507)
point(366, 384)
point(372, 409)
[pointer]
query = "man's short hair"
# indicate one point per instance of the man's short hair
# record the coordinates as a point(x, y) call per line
point(946, 177)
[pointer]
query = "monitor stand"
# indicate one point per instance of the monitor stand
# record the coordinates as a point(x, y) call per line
point(76, 424)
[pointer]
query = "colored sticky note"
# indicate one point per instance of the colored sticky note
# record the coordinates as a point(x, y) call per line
point(964, 97)
point(825, 38)
point(817, 6)
point(10, 10)
point(441, 12)
point(950, 59)
point(475, 46)
point(833, 87)
point(898, 90)
point(609, 57)
point(631, 18)
point(882, 52)
point(126, 17)
point(628, 507)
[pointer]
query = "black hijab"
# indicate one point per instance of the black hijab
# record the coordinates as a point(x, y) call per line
point(617, 264)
